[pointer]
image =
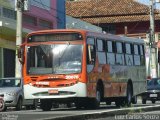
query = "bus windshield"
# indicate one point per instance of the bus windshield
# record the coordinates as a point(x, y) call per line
point(54, 59)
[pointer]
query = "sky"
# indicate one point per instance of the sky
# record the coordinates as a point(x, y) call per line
point(147, 2)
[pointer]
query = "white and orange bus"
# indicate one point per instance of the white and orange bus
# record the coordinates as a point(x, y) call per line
point(82, 67)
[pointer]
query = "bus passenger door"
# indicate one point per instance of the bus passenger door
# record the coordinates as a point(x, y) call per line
point(91, 57)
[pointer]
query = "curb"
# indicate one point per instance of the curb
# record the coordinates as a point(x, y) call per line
point(109, 113)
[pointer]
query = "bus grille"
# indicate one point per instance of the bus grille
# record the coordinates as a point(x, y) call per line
point(59, 93)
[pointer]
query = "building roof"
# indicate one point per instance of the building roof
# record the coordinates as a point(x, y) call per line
point(109, 11)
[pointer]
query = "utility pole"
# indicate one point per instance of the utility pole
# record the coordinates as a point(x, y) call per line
point(153, 48)
point(19, 6)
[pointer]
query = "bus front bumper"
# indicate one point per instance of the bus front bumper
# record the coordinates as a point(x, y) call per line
point(77, 90)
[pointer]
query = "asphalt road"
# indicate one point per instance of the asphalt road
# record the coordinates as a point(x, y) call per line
point(38, 114)
point(152, 115)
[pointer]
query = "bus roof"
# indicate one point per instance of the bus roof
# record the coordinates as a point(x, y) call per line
point(116, 37)
point(94, 34)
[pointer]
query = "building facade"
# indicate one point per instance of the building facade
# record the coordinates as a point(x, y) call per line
point(41, 15)
point(61, 14)
point(122, 17)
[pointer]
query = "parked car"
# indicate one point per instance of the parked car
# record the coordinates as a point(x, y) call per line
point(153, 91)
point(11, 91)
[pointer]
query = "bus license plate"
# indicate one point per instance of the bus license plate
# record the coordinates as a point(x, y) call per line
point(53, 91)
point(153, 95)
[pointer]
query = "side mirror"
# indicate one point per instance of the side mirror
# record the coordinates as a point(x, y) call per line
point(20, 55)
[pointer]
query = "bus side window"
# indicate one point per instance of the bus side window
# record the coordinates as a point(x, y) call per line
point(91, 54)
point(119, 54)
point(110, 52)
point(129, 55)
point(141, 51)
point(136, 55)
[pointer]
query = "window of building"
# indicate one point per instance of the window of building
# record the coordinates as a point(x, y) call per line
point(45, 24)
point(8, 13)
point(30, 20)
point(44, 4)
point(110, 29)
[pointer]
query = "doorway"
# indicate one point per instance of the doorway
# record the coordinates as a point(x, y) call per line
point(9, 62)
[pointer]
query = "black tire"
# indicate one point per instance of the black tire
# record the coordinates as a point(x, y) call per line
point(46, 105)
point(129, 95)
point(108, 102)
point(153, 101)
point(55, 105)
point(33, 107)
point(28, 107)
point(96, 101)
point(134, 100)
point(19, 104)
point(69, 105)
point(120, 102)
point(143, 101)
point(2, 105)
point(78, 105)
point(35, 104)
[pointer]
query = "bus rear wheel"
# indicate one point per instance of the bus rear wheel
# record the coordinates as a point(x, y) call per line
point(134, 100)
point(129, 95)
point(153, 101)
point(95, 103)
point(46, 105)
point(143, 101)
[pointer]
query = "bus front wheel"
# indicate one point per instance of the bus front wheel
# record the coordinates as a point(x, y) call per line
point(46, 105)
point(19, 104)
